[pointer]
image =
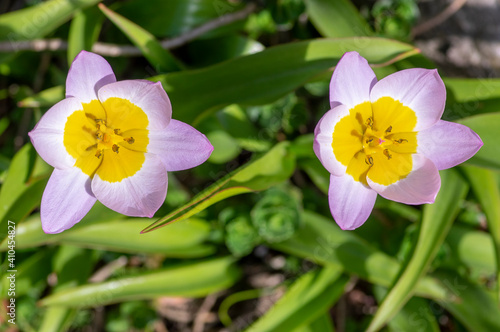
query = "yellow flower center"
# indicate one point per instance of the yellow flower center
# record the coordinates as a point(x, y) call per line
point(108, 139)
point(376, 140)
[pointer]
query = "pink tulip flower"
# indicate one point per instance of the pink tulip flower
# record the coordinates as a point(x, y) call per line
point(113, 142)
point(386, 138)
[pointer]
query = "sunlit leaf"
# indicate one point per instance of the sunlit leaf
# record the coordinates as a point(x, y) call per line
point(193, 279)
point(182, 240)
point(322, 241)
point(84, 31)
point(268, 75)
point(337, 18)
point(160, 58)
point(436, 222)
point(486, 126)
point(306, 300)
point(485, 186)
point(38, 21)
point(274, 167)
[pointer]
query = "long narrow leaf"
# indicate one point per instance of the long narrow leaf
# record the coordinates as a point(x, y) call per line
point(194, 279)
point(274, 167)
point(306, 300)
point(436, 222)
point(485, 186)
point(160, 58)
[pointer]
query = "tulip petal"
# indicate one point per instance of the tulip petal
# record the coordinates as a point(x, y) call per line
point(87, 74)
point(323, 140)
point(350, 201)
point(448, 144)
point(420, 186)
point(139, 195)
point(48, 135)
point(148, 96)
point(422, 90)
point(179, 146)
point(352, 81)
point(66, 200)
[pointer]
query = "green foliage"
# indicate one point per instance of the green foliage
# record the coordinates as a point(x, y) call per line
point(248, 234)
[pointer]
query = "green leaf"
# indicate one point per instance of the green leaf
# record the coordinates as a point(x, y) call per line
point(472, 305)
point(436, 222)
point(306, 300)
point(486, 126)
point(337, 18)
point(161, 59)
point(321, 324)
point(177, 16)
point(474, 249)
point(194, 279)
point(73, 267)
point(485, 187)
point(40, 20)
point(84, 31)
point(467, 97)
point(274, 167)
point(20, 192)
point(266, 76)
point(182, 240)
point(411, 317)
point(45, 98)
point(322, 241)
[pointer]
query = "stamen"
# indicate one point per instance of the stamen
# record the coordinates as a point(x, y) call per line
point(129, 140)
point(100, 121)
point(91, 147)
point(369, 160)
point(387, 154)
point(115, 148)
point(118, 132)
point(99, 135)
point(401, 140)
point(388, 130)
point(98, 153)
point(369, 122)
point(368, 141)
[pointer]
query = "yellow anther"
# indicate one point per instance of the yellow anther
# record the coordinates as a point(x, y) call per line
point(369, 140)
point(115, 148)
point(388, 130)
point(117, 132)
point(99, 135)
point(129, 140)
point(401, 140)
point(387, 154)
point(98, 153)
point(369, 122)
point(369, 160)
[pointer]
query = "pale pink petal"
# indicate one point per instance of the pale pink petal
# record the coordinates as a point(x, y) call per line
point(66, 200)
point(87, 74)
point(448, 144)
point(422, 90)
point(350, 201)
point(139, 195)
point(352, 81)
point(179, 146)
point(323, 139)
point(48, 135)
point(419, 187)
point(148, 96)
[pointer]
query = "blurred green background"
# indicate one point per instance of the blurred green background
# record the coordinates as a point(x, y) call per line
point(253, 246)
